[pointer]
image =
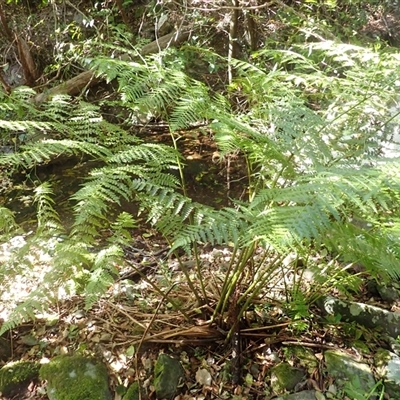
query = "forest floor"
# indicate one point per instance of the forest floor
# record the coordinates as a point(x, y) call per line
point(133, 323)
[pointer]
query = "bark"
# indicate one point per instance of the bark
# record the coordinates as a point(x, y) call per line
point(28, 65)
point(233, 31)
point(122, 12)
point(233, 51)
point(75, 85)
point(172, 39)
point(252, 30)
point(6, 31)
point(71, 87)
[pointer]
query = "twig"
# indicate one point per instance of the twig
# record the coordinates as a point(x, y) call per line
point(145, 333)
point(229, 7)
point(261, 328)
point(127, 315)
point(308, 344)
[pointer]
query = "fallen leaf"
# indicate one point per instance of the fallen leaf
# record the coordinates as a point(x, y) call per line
point(203, 377)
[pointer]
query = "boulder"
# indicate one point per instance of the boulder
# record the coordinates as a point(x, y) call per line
point(17, 375)
point(75, 378)
point(168, 376)
point(347, 370)
point(285, 377)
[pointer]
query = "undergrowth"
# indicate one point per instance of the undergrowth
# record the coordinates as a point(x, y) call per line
point(314, 140)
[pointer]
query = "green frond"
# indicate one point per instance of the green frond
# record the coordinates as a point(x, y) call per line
point(7, 222)
point(101, 278)
point(286, 227)
point(48, 219)
point(157, 155)
point(25, 311)
point(234, 134)
point(46, 150)
point(72, 254)
point(191, 107)
point(122, 235)
point(160, 201)
point(25, 125)
point(212, 226)
point(378, 252)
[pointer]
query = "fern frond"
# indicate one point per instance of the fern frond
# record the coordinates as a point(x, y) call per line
point(25, 311)
point(48, 219)
point(7, 222)
point(25, 125)
point(157, 155)
point(378, 252)
point(46, 150)
point(286, 227)
point(122, 236)
point(101, 278)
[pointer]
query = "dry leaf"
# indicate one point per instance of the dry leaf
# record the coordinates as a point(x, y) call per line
point(203, 377)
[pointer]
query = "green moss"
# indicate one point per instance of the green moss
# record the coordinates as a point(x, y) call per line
point(75, 378)
point(285, 377)
point(168, 374)
point(304, 356)
point(14, 374)
point(132, 392)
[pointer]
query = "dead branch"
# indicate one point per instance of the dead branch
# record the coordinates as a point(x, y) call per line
point(172, 39)
point(28, 65)
point(75, 85)
point(7, 31)
point(71, 87)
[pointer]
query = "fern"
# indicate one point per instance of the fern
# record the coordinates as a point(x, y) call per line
point(8, 224)
point(25, 311)
point(101, 277)
point(308, 135)
point(48, 219)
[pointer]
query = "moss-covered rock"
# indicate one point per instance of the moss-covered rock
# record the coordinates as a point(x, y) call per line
point(345, 368)
point(17, 374)
point(132, 393)
point(75, 378)
point(168, 375)
point(285, 377)
point(5, 349)
point(305, 357)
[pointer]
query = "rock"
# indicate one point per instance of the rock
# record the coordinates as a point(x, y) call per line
point(304, 395)
point(345, 368)
point(132, 393)
point(75, 378)
point(14, 376)
point(305, 357)
point(285, 377)
point(388, 293)
point(369, 316)
point(5, 349)
point(388, 368)
point(168, 376)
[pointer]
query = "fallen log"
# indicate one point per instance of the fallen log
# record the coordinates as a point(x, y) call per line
point(71, 87)
point(171, 39)
point(87, 79)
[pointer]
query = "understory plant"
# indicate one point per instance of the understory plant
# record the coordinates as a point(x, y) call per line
point(314, 140)
point(318, 179)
